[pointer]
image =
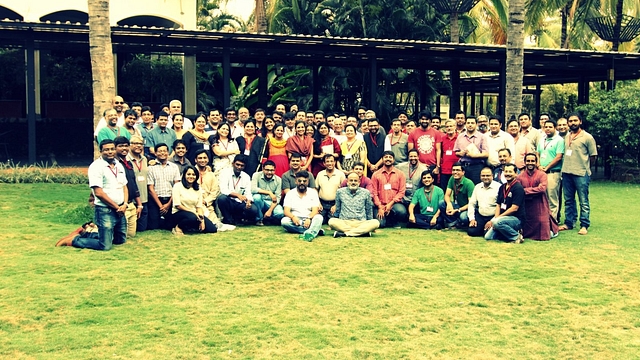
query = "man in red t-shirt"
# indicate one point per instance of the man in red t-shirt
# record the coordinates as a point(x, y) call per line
point(449, 156)
point(428, 142)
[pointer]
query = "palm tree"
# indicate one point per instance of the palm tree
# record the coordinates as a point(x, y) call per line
point(515, 58)
point(101, 52)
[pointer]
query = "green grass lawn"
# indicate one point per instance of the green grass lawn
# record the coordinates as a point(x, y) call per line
point(261, 293)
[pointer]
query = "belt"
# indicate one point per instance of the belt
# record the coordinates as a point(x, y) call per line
point(553, 171)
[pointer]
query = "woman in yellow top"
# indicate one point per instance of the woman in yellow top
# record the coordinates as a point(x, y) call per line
point(353, 150)
point(188, 206)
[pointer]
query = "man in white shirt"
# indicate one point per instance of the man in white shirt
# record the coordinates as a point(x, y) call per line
point(301, 210)
point(328, 182)
point(498, 140)
point(175, 107)
point(482, 205)
point(235, 200)
point(109, 186)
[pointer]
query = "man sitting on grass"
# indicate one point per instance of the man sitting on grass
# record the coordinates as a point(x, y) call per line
point(354, 210)
point(510, 213)
point(301, 208)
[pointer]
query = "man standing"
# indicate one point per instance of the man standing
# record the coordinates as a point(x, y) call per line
point(130, 119)
point(108, 185)
point(396, 141)
point(374, 141)
point(259, 116)
point(289, 178)
point(354, 210)
point(141, 171)
point(161, 134)
point(179, 158)
point(235, 200)
point(509, 216)
point(482, 205)
point(117, 105)
point(146, 127)
point(301, 210)
point(562, 127)
point(526, 141)
point(266, 188)
point(289, 125)
point(551, 151)
point(483, 124)
point(236, 129)
point(449, 156)
point(327, 183)
point(461, 121)
point(543, 119)
point(428, 142)
point(389, 185)
point(413, 170)
point(112, 129)
point(160, 182)
point(497, 139)
point(504, 157)
point(580, 153)
point(427, 198)
point(539, 224)
point(243, 115)
point(134, 205)
point(456, 199)
point(338, 131)
point(175, 107)
point(213, 122)
point(473, 149)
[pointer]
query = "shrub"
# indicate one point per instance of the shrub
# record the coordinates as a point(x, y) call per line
point(11, 173)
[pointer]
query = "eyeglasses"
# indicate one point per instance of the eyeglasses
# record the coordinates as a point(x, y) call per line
point(302, 181)
point(118, 102)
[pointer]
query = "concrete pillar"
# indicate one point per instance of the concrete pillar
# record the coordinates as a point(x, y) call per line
point(190, 103)
point(373, 85)
point(32, 59)
point(226, 77)
point(454, 100)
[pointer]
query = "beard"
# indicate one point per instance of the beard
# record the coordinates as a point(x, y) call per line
point(302, 188)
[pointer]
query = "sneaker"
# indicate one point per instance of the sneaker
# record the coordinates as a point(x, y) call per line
point(337, 234)
point(554, 235)
point(226, 227)
point(583, 231)
point(520, 239)
point(366, 235)
point(321, 232)
point(306, 237)
point(259, 223)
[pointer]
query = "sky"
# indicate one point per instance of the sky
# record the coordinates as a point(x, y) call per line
point(240, 8)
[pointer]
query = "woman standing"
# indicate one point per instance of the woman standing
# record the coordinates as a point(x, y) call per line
point(188, 207)
point(302, 144)
point(353, 150)
point(178, 126)
point(224, 149)
point(267, 130)
point(324, 144)
point(276, 150)
point(252, 146)
point(196, 138)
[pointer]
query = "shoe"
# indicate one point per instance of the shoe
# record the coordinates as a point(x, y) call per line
point(226, 227)
point(306, 237)
point(337, 234)
point(563, 228)
point(583, 231)
point(177, 231)
point(554, 235)
point(520, 239)
point(259, 223)
point(321, 232)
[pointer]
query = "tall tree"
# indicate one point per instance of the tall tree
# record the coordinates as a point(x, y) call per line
point(101, 51)
point(515, 58)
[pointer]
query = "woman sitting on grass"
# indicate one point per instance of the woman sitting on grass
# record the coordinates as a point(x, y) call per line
point(188, 206)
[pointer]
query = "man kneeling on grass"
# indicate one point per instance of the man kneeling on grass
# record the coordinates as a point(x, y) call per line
point(109, 186)
point(301, 210)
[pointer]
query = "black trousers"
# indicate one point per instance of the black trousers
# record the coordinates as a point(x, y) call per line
point(154, 219)
point(188, 222)
point(479, 230)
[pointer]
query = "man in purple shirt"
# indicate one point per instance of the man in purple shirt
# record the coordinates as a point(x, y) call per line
point(473, 149)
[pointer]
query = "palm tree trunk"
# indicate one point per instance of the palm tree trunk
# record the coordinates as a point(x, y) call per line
point(454, 27)
point(564, 43)
point(362, 19)
point(101, 53)
point(515, 58)
point(260, 17)
point(618, 26)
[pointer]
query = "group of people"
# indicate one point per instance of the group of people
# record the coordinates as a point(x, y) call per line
point(302, 169)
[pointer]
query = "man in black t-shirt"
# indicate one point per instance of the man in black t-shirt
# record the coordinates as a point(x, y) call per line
point(510, 214)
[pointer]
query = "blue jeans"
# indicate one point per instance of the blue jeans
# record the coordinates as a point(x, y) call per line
point(263, 206)
point(570, 185)
point(459, 219)
point(397, 214)
point(314, 227)
point(504, 228)
point(112, 229)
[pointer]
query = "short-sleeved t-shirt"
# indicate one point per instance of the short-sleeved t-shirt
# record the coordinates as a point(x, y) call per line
point(508, 196)
point(428, 203)
point(302, 206)
point(461, 193)
point(549, 148)
point(577, 152)
point(425, 142)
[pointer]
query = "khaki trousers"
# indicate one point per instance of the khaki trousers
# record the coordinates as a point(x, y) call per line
point(132, 217)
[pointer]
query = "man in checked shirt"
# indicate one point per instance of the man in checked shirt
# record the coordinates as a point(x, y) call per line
point(354, 210)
